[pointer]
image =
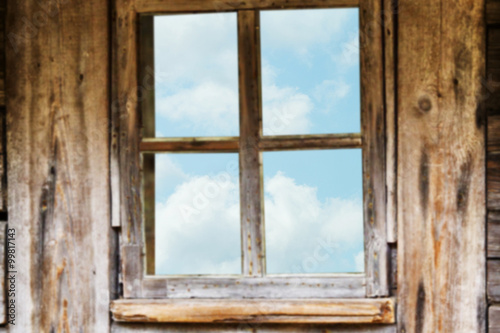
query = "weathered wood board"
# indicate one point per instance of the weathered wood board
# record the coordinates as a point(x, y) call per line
point(441, 167)
point(249, 328)
point(57, 143)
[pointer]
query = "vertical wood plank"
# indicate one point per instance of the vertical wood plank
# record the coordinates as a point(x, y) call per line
point(3, 272)
point(251, 193)
point(2, 52)
point(494, 319)
point(441, 172)
point(57, 142)
point(374, 161)
point(147, 107)
point(390, 117)
point(127, 120)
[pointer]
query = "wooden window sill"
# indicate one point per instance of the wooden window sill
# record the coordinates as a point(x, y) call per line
point(333, 311)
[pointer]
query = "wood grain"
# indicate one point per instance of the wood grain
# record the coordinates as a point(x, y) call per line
point(255, 311)
point(192, 145)
point(302, 142)
point(57, 143)
point(147, 107)
point(251, 189)
point(493, 235)
point(493, 281)
point(282, 287)
point(492, 12)
point(5, 280)
point(175, 6)
point(390, 117)
point(374, 160)
point(494, 319)
point(2, 52)
point(120, 327)
point(125, 159)
point(441, 169)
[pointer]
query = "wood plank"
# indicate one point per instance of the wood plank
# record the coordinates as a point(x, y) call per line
point(493, 134)
point(2, 52)
point(57, 142)
point(390, 117)
point(441, 167)
point(251, 189)
point(492, 12)
point(494, 319)
point(493, 180)
point(493, 234)
point(5, 278)
point(147, 106)
point(493, 280)
point(126, 158)
point(255, 311)
point(192, 145)
point(302, 142)
point(374, 160)
point(176, 6)
point(286, 287)
point(120, 327)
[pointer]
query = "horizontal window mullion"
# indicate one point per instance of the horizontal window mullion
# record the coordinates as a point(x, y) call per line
point(198, 144)
point(302, 142)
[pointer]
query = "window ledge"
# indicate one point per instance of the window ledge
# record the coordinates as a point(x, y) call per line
point(333, 311)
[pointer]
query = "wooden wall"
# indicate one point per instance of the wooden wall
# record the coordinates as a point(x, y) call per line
point(441, 166)
point(58, 83)
point(492, 101)
point(58, 87)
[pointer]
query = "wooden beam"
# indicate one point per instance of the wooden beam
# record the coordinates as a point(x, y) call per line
point(493, 234)
point(494, 319)
point(255, 311)
point(182, 6)
point(125, 154)
point(303, 142)
point(441, 167)
point(251, 189)
point(374, 160)
point(279, 287)
point(390, 31)
point(147, 107)
point(58, 85)
point(192, 145)
point(492, 12)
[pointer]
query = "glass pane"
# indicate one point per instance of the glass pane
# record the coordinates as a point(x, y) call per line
point(197, 214)
point(310, 71)
point(196, 67)
point(314, 212)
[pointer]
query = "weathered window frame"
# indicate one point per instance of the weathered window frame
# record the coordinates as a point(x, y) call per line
point(133, 94)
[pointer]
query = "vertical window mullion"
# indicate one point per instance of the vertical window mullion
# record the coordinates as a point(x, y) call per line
point(147, 106)
point(252, 226)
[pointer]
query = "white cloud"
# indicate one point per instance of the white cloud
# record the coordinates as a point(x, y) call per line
point(198, 228)
point(286, 111)
point(329, 92)
point(203, 107)
point(298, 30)
point(305, 235)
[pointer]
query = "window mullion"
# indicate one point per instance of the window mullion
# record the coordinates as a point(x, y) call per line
point(252, 226)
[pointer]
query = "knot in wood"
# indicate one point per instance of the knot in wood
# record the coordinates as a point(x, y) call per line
point(425, 104)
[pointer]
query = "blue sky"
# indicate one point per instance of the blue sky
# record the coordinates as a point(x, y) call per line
point(313, 199)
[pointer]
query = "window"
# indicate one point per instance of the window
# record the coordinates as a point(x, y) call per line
point(225, 143)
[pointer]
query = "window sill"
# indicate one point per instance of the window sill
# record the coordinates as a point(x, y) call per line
point(332, 311)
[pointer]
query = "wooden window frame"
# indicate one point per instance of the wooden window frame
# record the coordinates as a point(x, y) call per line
point(133, 96)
